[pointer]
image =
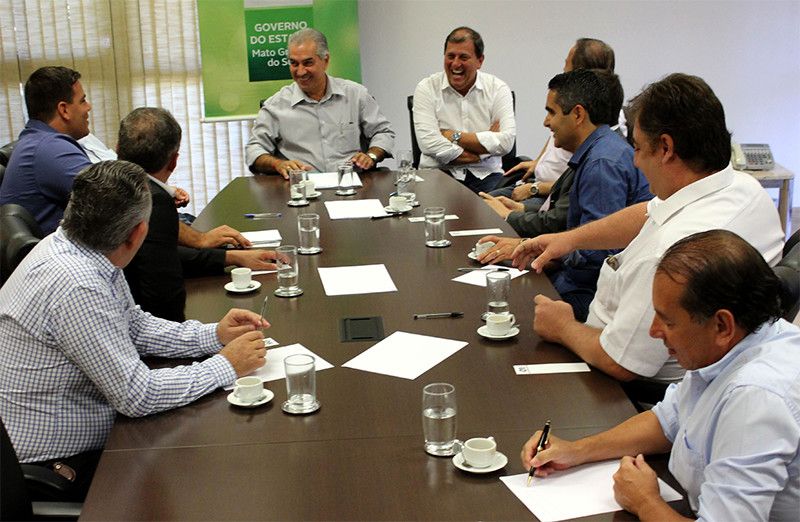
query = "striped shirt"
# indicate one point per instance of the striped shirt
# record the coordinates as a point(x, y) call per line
point(72, 339)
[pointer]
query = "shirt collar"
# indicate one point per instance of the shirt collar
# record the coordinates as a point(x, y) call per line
point(662, 210)
point(757, 338)
point(478, 85)
point(331, 89)
point(108, 268)
point(163, 185)
point(596, 134)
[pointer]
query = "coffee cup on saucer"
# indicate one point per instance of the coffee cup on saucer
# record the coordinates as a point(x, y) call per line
point(310, 186)
point(248, 389)
point(480, 248)
point(499, 324)
point(479, 452)
point(398, 203)
point(241, 277)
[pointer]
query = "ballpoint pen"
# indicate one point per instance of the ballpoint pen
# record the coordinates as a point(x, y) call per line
point(470, 269)
point(540, 447)
point(264, 307)
point(439, 315)
point(263, 215)
point(384, 216)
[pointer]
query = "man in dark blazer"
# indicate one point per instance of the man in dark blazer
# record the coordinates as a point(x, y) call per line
point(150, 137)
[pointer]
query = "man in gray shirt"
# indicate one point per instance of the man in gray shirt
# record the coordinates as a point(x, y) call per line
point(318, 121)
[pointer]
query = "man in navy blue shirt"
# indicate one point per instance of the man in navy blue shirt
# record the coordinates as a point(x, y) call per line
point(48, 157)
point(601, 179)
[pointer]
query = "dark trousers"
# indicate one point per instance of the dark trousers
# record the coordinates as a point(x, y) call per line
point(84, 465)
point(482, 185)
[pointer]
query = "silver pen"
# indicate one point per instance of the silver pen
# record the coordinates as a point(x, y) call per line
point(499, 269)
point(264, 307)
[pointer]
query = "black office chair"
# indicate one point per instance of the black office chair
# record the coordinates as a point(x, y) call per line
point(509, 160)
point(5, 155)
point(19, 233)
point(788, 271)
point(21, 482)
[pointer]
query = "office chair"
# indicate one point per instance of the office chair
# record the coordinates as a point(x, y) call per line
point(788, 271)
point(791, 242)
point(19, 233)
point(509, 160)
point(23, 481)
point(5, 155)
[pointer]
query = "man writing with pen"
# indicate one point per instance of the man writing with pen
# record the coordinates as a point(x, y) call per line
point(733, 424)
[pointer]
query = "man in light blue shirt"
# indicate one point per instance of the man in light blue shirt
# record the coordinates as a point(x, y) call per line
point(733, 424)
point(73, 338)
point(318, 121)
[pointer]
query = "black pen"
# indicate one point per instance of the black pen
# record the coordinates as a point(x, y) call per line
point(472, 269)
point(440, 315)
point(263, 215)
point(384, 216)
point(539, 447)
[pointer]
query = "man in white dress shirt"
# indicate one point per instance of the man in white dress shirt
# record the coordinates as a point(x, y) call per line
point(464, 118)
point(318, 121)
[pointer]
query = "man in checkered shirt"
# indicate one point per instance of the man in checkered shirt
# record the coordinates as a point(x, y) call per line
point(73, 337)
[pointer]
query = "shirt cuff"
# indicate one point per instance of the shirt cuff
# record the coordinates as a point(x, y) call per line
point(221, 370)
point(207, 337)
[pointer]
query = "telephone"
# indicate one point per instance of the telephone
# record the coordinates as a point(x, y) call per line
point(751, 156)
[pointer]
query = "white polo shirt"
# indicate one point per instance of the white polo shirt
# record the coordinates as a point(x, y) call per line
point(623, 304)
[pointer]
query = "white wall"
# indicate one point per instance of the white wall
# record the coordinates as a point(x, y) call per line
point(746, 50)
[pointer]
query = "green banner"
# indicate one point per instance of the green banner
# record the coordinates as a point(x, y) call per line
point(243, 47)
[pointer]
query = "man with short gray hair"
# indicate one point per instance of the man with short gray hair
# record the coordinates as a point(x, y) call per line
point(73, 336)
point(318, 121)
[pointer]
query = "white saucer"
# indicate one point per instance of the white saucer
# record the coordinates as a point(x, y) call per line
point(403, 210)
point(472, 255)
point(511, 333)
point(500, 460)
point(314, 195)
point(233, 399)
point(254, 285)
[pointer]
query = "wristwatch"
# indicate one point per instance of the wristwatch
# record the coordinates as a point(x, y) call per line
point(535, 188)
point(373, 156)
point(455, 137)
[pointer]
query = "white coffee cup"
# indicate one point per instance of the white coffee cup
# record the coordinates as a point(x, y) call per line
point(249, 389)
point(479, 452)
point(499, 324)
point(480, 248)
point(310, 186)
point(241, 277)
point(398, 202)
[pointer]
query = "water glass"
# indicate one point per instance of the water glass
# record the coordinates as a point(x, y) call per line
point(308, 228)
point(498, 286)
point(297, 186)
point(406, 185)
point(288, 273)
point(439, 419)
point(345, 177)
point(404, 159)
point(301, 384)
point(434, 228)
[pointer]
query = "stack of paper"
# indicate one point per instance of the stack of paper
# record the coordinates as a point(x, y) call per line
point(263, 238)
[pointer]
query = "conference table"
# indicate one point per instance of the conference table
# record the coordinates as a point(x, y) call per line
point(360, 456)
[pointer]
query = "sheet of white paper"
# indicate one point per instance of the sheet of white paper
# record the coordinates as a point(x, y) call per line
point(477, 232)
point(273, 370)
point(420, 219)
point(262, 272)
point(537, 369)
point(329, 180)
point(263, 236)
point(578, 492)
point(405, 355)
point(357, 208)
point(350, 280)
point(478, 277)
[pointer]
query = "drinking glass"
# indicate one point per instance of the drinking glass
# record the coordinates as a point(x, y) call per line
point(301, 384)
point(308, 228)
point(288, 274)
point(498, 286)
point(439, 419)
point(345, 177)
point(404, 159)
point(434, 228)
point(297, 186)
point(406, 185)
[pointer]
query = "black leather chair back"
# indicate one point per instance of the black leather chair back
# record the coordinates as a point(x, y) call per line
point(19, 233)
point(15, 504)
point(788, 271)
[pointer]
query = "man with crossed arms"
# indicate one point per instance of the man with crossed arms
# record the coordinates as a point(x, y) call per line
point(683, 148)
